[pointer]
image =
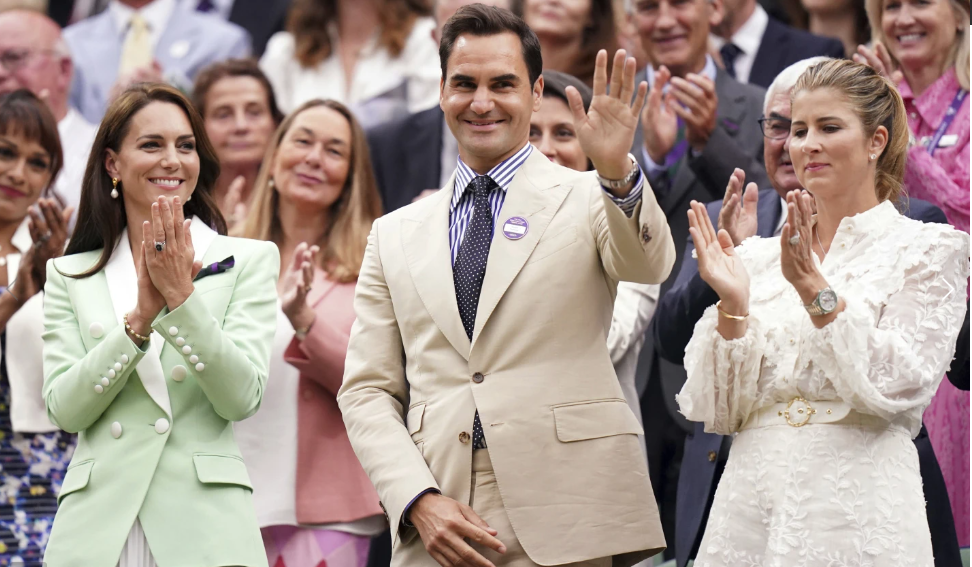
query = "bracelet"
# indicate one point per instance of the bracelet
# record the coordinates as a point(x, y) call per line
point(301, 333)
point(131, 331)
point(729, 315)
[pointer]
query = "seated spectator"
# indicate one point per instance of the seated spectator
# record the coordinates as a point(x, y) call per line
point(755, 47)
point(236, 102)
point(925, 46)
point(744, 214)
point(35, 452)
point(571, 32)
point(34, 56)
point(844, 20)
point(136, 41)
point(315, 199)
point(415, 155)
point(376, 57)
point(260, 18)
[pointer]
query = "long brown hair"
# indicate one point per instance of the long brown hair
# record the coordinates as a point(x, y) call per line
point(308, 22)
point(351, 216)
point(101, 219)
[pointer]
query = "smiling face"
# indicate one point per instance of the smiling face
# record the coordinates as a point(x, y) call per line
point(487, 98)
point(312, 163)
point(156, 157)
point(552, 132)
point(28, 41)
point(238, 121)
point(25, 171)
point(675, 33)
point(560, 18)
point(920, 33)
point(828, 145)
point(776, 154)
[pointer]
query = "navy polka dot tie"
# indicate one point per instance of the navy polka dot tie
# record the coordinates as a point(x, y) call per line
point(470, 268)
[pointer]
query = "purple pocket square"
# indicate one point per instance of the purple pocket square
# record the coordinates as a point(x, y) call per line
point(215, 268)
point(729, 125)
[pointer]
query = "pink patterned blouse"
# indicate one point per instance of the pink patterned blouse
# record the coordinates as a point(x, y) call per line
point(942, 179)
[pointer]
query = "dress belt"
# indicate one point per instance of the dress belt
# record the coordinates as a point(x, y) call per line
point(799, 412)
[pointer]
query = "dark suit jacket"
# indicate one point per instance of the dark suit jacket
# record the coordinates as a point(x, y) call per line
point(261, 18)
point(958, 374)
point(736, 142)
point(705, 453)
point(406, 155)
point(783, 46)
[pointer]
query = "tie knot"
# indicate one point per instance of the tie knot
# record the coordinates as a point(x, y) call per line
point(138, 22)
point(729, 51)
point(481, 185)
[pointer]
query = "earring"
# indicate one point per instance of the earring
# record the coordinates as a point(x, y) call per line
point(189, 198)
point(270, 183)
point(873, 157)
point(114, 188)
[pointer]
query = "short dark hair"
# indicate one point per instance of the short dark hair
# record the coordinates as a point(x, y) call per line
point(555, 85)
point(21, 112)
point(218, 71)
point(481, 20)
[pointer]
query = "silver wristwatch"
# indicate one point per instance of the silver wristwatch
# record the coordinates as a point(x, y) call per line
point(624, 181)
point(825, 303)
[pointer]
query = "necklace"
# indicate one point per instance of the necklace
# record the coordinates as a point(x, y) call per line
point(816, 233)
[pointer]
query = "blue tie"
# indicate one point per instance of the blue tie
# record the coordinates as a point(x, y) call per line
point(470, 268)
point(729, 52)
point(206, 6)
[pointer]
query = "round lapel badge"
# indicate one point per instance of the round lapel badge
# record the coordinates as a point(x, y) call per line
point(515, 228)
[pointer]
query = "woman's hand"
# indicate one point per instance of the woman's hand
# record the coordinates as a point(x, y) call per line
point(150, 302)
point(171, 269)
point(879, 59)
point(295, 284)
point(48, 225)
point(719, 265)
point(796, 258)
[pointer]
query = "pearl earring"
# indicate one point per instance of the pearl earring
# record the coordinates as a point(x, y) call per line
point(270, 183)
point(873, 157)
point(114, 188)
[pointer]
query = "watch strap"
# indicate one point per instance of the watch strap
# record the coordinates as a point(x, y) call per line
point(624, 181)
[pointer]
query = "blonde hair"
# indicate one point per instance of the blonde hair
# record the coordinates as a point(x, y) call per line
point(877, 103)
point(351, 216)
point(959, 56)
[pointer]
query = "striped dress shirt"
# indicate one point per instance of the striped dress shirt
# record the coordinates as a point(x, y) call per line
point(461, 208)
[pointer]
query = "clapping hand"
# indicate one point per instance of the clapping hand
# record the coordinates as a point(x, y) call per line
point(719, 265)
point(879, 59)
point(695, 101)
point(295, 285)
point(233, 207)
point(659, 123)
point(796, 247)
point(738, 214)
point(48, 226)
point(606, 131)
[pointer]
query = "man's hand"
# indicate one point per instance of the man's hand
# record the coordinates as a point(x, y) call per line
point(696, 103)
point(445, 524)
point(659, 124)
point(738, 214)
point(151, 74)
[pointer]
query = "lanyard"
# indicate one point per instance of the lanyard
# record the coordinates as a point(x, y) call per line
point(947, 121)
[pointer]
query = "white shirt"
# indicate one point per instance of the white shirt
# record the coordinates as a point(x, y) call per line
point(77, 136)
point(156, 14)
point(382, 88)
point(748, 39)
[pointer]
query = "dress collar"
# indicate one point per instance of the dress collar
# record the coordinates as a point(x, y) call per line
point(934, 102)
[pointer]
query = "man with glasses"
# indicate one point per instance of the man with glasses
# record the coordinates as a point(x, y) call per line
point(33, 56)
point(745, 213)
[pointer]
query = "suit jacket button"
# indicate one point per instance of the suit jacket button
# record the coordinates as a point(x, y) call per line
point(478, 377)
point(161, 425)
point(712, 456)
point(464, 438)
point(179, 373)
point(116, 430)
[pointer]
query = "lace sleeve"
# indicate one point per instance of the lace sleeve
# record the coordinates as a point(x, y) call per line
point(894, 362)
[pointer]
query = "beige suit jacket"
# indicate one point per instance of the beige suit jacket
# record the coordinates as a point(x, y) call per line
point(562, 440)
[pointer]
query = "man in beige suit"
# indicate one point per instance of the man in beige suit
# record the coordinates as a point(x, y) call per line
point(478, 393)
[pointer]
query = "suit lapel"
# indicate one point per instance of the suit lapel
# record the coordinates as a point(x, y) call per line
point(769, 210)
point(530, 196)
point(770, 55)
point(425, 241)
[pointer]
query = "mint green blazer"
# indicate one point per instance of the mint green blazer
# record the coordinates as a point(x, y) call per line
point(155, 434)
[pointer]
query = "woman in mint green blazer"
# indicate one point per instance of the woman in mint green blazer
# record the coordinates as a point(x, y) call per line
point(157, 336)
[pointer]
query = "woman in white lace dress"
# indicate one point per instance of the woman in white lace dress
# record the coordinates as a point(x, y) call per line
point(826, 346)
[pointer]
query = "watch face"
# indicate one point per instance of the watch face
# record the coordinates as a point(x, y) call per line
point(827, 300)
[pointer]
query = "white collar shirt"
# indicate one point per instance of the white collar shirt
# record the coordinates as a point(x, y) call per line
point(157, 16)
point(748, 39)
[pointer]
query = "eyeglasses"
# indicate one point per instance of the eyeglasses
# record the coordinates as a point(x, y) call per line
point(15, 58)
point(775, 128)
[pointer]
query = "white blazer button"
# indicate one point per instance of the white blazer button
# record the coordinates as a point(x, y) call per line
point(162, 425)
point(96, 330)
point(186, 349)
point(118, 367)
point(200, 367)
point(111, 373)
point(173, 331)
point(180, 341)
point(105, 382)
point(124, 359)
point(116, 430)
point(98, 389)
point(179, 373)
point(193, 359)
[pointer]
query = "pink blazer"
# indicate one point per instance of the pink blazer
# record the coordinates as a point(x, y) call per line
point(331, 485)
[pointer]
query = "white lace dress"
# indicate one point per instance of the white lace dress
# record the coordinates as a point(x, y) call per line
point(831, 495)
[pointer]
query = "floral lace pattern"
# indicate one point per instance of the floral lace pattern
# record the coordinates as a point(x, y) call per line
point(831, 495)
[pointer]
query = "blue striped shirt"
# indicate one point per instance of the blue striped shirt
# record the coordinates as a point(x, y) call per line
point(461, 208)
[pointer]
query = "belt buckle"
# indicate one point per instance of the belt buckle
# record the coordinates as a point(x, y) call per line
point(805, 410)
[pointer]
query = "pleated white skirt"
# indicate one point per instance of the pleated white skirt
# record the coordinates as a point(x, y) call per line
point(136, 551)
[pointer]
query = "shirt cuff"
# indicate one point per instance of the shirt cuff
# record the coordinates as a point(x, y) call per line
point(630, 202)
point(654, 169)
point(405, 522)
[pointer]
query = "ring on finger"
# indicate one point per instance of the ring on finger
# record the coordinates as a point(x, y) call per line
point(794, 240)
point(44, 237)
point(159, 245)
